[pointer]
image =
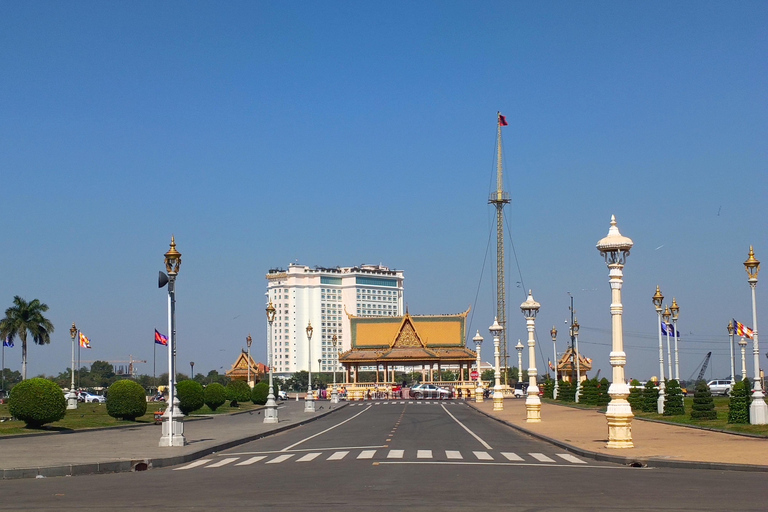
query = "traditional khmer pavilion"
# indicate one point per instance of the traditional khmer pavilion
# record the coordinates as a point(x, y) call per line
point(239, 370)
point(566, 366)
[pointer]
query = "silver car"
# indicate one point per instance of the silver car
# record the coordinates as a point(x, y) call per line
point(719, 387)
point(430, 391)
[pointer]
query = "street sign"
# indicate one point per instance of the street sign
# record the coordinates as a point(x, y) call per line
point(474, 375)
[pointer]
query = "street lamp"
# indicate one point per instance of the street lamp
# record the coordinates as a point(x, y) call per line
point(173, 427)
point(309, 404)
point(334, 392)
point(530, 309)
point(743, 346)
point(479, 389)
point(666, 316)
point(72, 396)
point(658, 300)
point(270, 412)
point(192, 370)
point(730, 339)
point(519, 348)
point(615, 248)
point(758, 409)
point(498, 396)
point(575, 328)
point(675, 315)
point(248, 341)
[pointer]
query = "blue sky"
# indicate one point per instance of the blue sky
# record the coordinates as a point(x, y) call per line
point(265, 133)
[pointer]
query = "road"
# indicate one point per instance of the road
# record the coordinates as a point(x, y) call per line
point(394, 455)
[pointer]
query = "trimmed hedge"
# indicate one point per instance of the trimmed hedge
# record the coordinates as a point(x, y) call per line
point(214, 396)
point(191, 396)
point(635, 397)
point(238, 391)
point(703, 405)
point(127, 400)
point(673, 399)
point(650, 397)
point(260, 393)
point(738, 403)
point(37, 402)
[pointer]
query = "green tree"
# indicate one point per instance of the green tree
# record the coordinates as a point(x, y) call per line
point(673, 399)
point(738, 403)
point(22, 318)
point(102, 373)
point(126, 400)
point(191, 395)
point(488, 375)
point(238, 391)
point(703, 404)
point(650, 397)
point(215, 395)
point(37, 402)
point(260, 393)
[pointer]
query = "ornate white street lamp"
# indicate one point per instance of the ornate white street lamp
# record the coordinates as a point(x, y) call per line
point(730, 339)
point(758, 409)
point(498, 396)
point(666, 316)
point(248, 341)
point(309, 403)
point(675, 309)
point(658, 301)
point(530, 309)
point(72, 396)
point(334, 392)
point(479, 389)
point(575, 328)
point(743, 346)
point(552, 333)
point(615, 248)
point(173, 427)
point(270, 411)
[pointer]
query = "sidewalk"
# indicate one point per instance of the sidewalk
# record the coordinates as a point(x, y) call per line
point(136, 448)
point(585, 432)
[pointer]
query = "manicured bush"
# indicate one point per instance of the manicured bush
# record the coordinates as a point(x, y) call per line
point(738, 403)
point(566, 391)
point(635, 397)
point(673, 399)
point(650, 397)
point(126, 400)
point(191, 395)
point(238, 391)
point(549, 387)
point(214, 396)
point(37, 402)
point(259, 393)
point(588, 395)
point(703, 405)
point(602, 392)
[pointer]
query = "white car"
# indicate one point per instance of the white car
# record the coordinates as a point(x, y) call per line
point(719, 387)
point(282, 395)
point(430, 391)
point(86, 397)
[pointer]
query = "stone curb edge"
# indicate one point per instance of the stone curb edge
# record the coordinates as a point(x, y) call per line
point(630, 461)
point(144, 464)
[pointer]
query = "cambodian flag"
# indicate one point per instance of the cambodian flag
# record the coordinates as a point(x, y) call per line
point(160, 339)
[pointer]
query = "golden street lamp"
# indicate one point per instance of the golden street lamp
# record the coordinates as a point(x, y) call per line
point(530, 309)
point(553, 334)
point(270, 412)
point(658, 302)
point(479, 389)
point(72, 396)
point(615, 249)
point(758, 409)
point(675, 309)
point(309, 404)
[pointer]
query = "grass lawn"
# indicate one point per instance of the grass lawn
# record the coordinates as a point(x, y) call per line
point(95, 416)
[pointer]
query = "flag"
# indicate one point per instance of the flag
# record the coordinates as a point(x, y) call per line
point(84, 342)
point(742, 330)
point(664, 328)
point(8, 342)
point(551, 366)
point(160, 339)
point(669, 329)
point(502, 120)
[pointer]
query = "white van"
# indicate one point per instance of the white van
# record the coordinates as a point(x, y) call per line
point(719, 387)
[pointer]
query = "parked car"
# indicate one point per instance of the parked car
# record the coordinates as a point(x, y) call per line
point(430, 391)
point(719, 387)
point(84, 396)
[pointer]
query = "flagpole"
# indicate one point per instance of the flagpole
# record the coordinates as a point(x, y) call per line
point(154, 364)
point(78, 358)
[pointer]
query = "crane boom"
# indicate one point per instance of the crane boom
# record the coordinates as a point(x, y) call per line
point(704, 365)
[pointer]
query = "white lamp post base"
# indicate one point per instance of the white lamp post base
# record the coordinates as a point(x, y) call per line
point(619, 416)
point(270, 411)
point(173, 430)
point(334, 395)
point(478, 394)
point(498, 399)
point(758, 410)
point(533, 405)
point(660, 401)
point(309, 403)
point(71, 400)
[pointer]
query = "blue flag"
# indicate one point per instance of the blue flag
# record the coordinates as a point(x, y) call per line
point(669, 329)
point(8, 342)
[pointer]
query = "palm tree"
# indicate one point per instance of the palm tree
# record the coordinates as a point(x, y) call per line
point(25, 317)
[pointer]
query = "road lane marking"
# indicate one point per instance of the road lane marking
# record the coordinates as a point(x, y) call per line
point(486, 445)
point(424, 454)
point(326, 430)
point(483, 455)
point(395, 454)
point(571, 458)
point(194, 464)
point(280, 458)
point(222, 462)
point(252, 460)
point(337, 456)
point(512, 456)
point(453, 454)
point(309, 457)
point(541, 457)
point(366, 454)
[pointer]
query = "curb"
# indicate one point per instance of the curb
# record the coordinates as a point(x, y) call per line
point(629, 461)
point(150, 463)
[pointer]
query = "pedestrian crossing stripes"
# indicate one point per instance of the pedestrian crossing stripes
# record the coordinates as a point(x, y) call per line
point(389, 455)
point(367, 403)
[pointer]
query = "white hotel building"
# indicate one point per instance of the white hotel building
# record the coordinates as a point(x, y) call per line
point(325, 297)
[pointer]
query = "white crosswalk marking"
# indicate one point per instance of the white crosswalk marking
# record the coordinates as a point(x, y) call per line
point(512, 456)
point(194, 464)
point(366, 454)
point(309, 457)
point(424, 454)
point(222, 462)
point(337, 456)
point(453, 454)
point(570, 458)
point(395, 454)
point(483, 455)
point(541, 457)
point(252, 460)
point(281, 458)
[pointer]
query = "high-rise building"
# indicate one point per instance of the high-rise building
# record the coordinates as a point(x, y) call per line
point(325, 297)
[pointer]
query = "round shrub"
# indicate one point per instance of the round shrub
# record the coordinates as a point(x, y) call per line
point(37, 402)
point(260, 393)
point(703, 406)
point(650, 397)
point(673, 399)
point(238, 391)
point(635, 397)
point(126, 400)
point(214, 396)
point(191, 395)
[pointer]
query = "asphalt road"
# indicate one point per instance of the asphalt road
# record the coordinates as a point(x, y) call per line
point(390, 456)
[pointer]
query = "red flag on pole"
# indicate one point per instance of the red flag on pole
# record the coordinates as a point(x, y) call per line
point(502, 120)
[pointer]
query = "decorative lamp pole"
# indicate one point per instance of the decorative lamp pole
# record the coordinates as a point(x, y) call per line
point(743, 346)
point(479, 389)
point(334, 392)
point(72, 396)
point(530, 309)
point(730, 339)
point(758, 409)
point(270, 412)
point(552, 333)
point(248, 341)
point(173, 427)
point(309, 404)
point(192, 370)
point(675, 309)
point(658, 300)
point(498, 396)
point(666, 316)
point(615, 249)
point(578, 363)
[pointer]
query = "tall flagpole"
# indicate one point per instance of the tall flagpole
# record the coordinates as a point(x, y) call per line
point(154, 364)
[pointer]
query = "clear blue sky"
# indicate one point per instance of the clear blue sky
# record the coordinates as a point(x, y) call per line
point(342, 133)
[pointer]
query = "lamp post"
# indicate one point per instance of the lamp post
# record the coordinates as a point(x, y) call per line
point(666, 316)
point(658, 300)
point(530, 309)
point(519, 347)
point(743, 346)
point(730, 340)
point(309, 404)
point(575, 328)
point(479, 389)
point(675, 309)
point(270, 412)
point(615, 249)
point(192, 370)
point(552, 333)
point(758, 409)
point(248, 341)
point(334, 392)
point(498, 396)
point(72, 396)
point(173, 427)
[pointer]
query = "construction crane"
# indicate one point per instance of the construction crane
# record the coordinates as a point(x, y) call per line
point(704, 365)
point(131, 364)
